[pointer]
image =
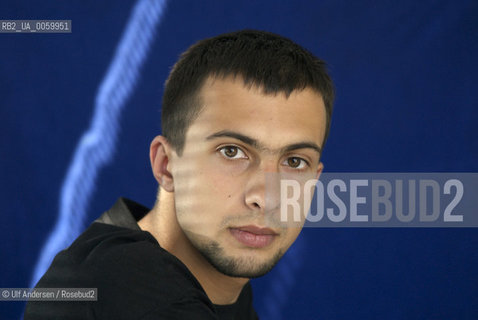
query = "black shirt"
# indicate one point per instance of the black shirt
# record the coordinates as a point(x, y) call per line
point(135, 277)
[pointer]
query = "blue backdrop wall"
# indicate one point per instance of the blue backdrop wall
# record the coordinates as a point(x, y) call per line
point(406, 75)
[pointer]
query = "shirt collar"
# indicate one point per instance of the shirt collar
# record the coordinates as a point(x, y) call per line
point(124, 213)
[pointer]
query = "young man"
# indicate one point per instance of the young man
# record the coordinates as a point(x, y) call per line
point(240, 111)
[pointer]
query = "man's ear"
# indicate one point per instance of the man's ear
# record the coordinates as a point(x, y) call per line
point(320, 168)
point(159, 154)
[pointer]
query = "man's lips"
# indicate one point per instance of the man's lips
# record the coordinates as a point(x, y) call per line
point(256, 230)
point(253, 236)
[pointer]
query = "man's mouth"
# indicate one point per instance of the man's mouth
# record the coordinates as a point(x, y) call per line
point(253, 236)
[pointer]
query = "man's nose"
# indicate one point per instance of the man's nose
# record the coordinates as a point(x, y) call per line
point(263, 189)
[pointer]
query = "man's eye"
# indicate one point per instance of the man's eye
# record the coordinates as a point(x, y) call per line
point(232, 152)
point(296, 163)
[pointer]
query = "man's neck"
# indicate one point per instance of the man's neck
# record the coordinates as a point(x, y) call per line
point(161, 222)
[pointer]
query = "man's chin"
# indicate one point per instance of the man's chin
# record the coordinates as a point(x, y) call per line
point(249, 273)
point(238, 267)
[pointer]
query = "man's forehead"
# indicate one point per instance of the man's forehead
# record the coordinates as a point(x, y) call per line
point(233, 90)
point(228, 104)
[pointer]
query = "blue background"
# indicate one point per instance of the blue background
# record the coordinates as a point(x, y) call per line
point(406, 74)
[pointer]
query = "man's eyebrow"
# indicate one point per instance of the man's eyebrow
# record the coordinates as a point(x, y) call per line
point(257, 145)
point(231, 134)
point(302, 145)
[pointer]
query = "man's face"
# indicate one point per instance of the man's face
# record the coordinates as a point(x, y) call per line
point(226, 183)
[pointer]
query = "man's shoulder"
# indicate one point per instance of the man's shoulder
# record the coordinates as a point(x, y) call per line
point(115, 247)
point(118, 257)
point(133, 275)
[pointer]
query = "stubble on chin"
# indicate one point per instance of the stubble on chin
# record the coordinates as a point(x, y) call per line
point(240, 267)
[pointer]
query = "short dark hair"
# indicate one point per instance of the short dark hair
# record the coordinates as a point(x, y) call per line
point(269, 61)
